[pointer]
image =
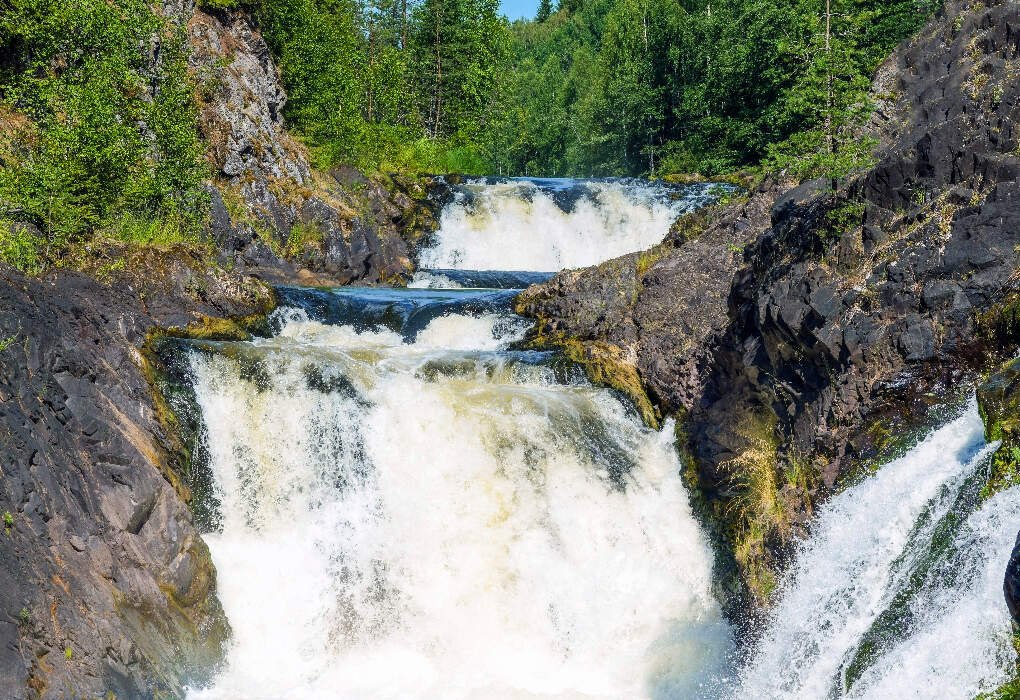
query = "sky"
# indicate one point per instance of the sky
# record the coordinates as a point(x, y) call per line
point(515, 9)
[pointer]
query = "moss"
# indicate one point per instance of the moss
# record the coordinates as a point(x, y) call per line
point(212, 328)
point(999, 404)
point(755, 513)
point(175, 454)
point(604, 365)
point(1000, 325)
point(648, 258)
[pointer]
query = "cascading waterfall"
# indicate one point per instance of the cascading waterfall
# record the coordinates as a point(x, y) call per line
point(407, 507)
point(549, 224)
point(445, 518)
point(898, 591)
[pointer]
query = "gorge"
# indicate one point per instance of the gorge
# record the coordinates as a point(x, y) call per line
point(393, 435)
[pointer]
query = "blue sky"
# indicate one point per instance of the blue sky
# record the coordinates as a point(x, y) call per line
point(515, 9)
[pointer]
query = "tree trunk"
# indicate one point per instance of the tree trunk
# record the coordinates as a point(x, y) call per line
point(439, 73)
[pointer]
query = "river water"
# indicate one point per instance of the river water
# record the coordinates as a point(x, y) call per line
point(407, 507)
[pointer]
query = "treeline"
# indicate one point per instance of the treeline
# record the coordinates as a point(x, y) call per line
point(98, 115)
point(589, 87)
point(419, 84)
point(657, 86)
point(85, 143)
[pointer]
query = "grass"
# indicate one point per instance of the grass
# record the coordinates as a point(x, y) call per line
point(756, 512)
point(8, 342)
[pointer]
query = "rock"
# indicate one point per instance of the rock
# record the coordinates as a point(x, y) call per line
point(242, 119)
point(1011, 585)
point(100, 554)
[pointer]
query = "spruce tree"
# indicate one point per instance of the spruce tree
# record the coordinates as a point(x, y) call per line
point(832, 96)
point(544, 11)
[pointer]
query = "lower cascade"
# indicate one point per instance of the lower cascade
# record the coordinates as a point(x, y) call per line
point(443, 517)
point(405, 506)
point(898, 591)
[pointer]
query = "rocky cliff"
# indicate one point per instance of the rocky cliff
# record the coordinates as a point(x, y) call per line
point(812, 325)
point(271, 212)
point(106, 587)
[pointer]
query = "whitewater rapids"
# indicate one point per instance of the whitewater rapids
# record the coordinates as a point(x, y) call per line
point(544, 225)
point(439, 519)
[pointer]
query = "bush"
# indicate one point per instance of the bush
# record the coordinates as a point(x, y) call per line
point(96, 141)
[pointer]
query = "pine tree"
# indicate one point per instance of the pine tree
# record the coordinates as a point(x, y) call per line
point(831, 95)
point(544, 10)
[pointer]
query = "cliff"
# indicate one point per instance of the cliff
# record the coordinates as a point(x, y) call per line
point(105, 585)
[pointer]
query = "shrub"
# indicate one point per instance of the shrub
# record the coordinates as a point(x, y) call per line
point(96, 139)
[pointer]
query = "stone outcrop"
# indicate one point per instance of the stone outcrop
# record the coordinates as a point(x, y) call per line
point(844, 315)
point(270, 212)
point(999, 401)
point(105, 587)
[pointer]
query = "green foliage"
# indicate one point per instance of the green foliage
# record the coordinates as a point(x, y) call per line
point(831, 98)
point(387, 85)
point(20, 247)
point(8, 519)
point(8, 342)
point(544, 10)
point(91, 137)
point(610, 87)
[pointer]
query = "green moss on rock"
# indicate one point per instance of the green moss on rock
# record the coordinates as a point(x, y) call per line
point(999, 403)
point(604, 365)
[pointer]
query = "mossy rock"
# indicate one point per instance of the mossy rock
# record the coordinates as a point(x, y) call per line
point(604, 365)
point(999, 403)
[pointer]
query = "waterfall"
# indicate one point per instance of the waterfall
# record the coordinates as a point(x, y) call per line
point(529, 224)
point(430, 515)
point(898, 591)
point(407, 505)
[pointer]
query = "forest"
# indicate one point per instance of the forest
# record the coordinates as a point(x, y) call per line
point(586, 88)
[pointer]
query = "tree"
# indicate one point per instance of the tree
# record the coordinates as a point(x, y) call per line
point(832, 96)
point(462, 50)
point(544, 10)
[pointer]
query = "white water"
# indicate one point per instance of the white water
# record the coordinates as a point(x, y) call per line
point(454, 536)
point(516, 225)
point(864, 544)
point(439, 520)
point(961, 643)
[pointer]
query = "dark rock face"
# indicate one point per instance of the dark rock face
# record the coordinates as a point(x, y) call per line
point(105, 586)
point(1011, 584)
point(889, 292)
point(367, 235)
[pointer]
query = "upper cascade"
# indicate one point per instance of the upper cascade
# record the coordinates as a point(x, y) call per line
point(545, 224)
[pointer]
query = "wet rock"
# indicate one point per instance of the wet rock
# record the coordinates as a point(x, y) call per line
point(105, 586)
point(1011, 584)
